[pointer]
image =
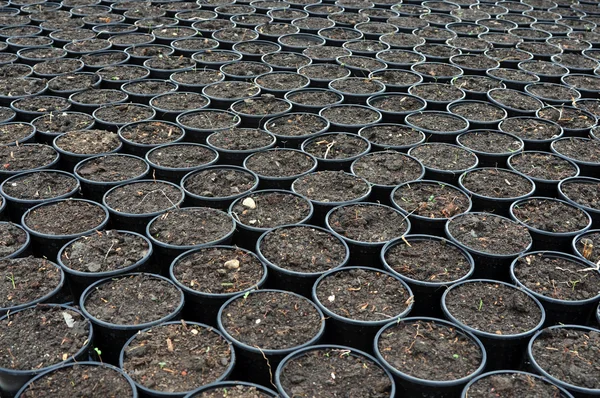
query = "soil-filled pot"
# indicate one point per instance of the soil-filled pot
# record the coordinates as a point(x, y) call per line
point(234, 145)
point(140, 137)
point(217, 186)
point(336, 151)
point(480, 114)
point(170, 105)
point(350, 118)
point(278, 168)
point(178, 231)
point(567, 286)
point(438, 126)
point(398, 137)
point(199, 124)
point(237, 387)
point(309, 372)
point(503, 316)
point(171, 162)
point(133, 204)
point(25, 190)
point(430, 357)
point(103, 254)
point(493, 148)
point(567, 356)
point(89, 100)
point(120, 307)
point(63, 333)
point(77, 145)
point(582, 151)
point(26, 157)
point(495, 243)
point(51, 125)
point(515, 102)
point(259, 211)
point(422, 261)
point(187, 342)
point(552, 223)
point(513, 383)
point(52, 224)
point(293, 128)
point(495, 190)
point(546, 170)
point(429, 204)
point(297, 255)
point(29, 108)
point(328, 189)
point(98, 174)
point(444, 162)
point(583, 193)
point(576, 122)
point(114, 116)
point(209, 276)
point(536, 133)
point(351, 299)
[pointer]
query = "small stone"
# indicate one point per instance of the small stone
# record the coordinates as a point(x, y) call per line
point(249, 203)
point(232, 264)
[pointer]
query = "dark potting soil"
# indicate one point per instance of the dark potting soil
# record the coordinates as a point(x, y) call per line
point(336, 146)
point(493, 308)
point(65, 217)
point(544, 166)
point(303, 249)
point(198, 77)
point(240, 139)
point(131, 39)
point(99, 96)
point(584, 82)
point(543, 68)
point(63, 122)
point(391, 135)
point(234, 34)
point(431, 200)
point(397, 103)
point(363, 295)
point(219, 183)
point(551, 215)
point(218, 270)
point(189, 356)
point(209, 120)
point(87, 45)
point(6, 114)
point(195, 44)
point(179, 101)
point(429, 351)
point(151, 133)
point(101, 59)
point(59, 333)
point(334, 372)
point(150, 87)
point(40, 185)
point(350, 115)
point(245, 69)
point(579, 149)
point(331, 186)
point(232, 391)
point(387, 168)
point(530, 128)
point(428, 261)
point(80, 380)
point(558, 278)
point(27, 279)
point(287, 60)
point(584, 193)
point(42, 104)
point(368, 223)
point(438, 121)
point(265, 105)
point(313, 98)
point(12, 238)
point(489, 233)
point(133, 300)
point(257, 48)
point(272, 320)
point(191, 226)
point(270, 209)
point(112, 168)
point(570, 355)
point(490, 141)
point(440, 156)
point(357, 85)
point(279, 163)
point(437, 92)
point(123, 73)
point(478, 84)
point(479, 111)
point(146, 51)
point(88, 142)
point(515, 99)
point(397, 77)
point(513, 385)
point(123, 113)
point(568, 118)
point(552, 91)
point(143, 197)
point(364, 64)
point(496, 183)
point(296, 125)
point(325, 52)
point(14, 132)
point(14, 83)
point(104, 252)
point(209, 56)
point(232, 90)
point(179, 156)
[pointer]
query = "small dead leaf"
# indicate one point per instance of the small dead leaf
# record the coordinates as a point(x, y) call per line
point(170, 347)
point(68, 319)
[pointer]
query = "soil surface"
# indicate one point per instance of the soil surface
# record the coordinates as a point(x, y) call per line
point(493, 308)
point(490, 141)
point(99, 96)
point(363, 295)
point(448, 157)
point(324, 72)
point(41, 104)
point(219, 270)
point(303, 249)
point(430, 351)
point(199, 77)
point(512, 385)
point(219, 183)
point(280, 163)
point(515, 99)
point(267, 210)
point(26, 279)
point(584, 193)
point(40, 185)
point(59, 333)
point(177, 357)
point(570, 355)
point(151, 133)
point(265, 105)
point(397, 103)
point(181, 156)
point(496, 183)
point(240, 139)
point(368, 223)
point(88, 142)
point(104, 251)
point(551, 215)
point(489, 233)
point(331, 186)
point(272, 320)
point(232, 90)
point(579, 149)
point(209, 120)
point(350, 115)
point(568, 118)
point(296, 125)
point(133, 300)
point(191, 226)
point(65, 217)
point(313, 98)
point(334, 372)
point(543, 166)
point(437, 121)
point(437, 92)
point(149, 88)
point(63, 122)
point(123, 113)
point(479, 112)
point(245, 69)
point(387, 168)
point(530, 128)
point(144, 197)
point(112, 168)
point(392, 135)
point(431, 200)
point(175, 101)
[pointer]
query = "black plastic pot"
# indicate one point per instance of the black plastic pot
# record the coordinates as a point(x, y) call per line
point(489, 159)
point(477, 124)
point(25, 248)
point(68, 159)
point(171, 114)
point(231, 385)
point(335, 164)
point(237, 157)
point(593, 212)
point(141, 150)
point(268, 182)
point(115, 126)
point(447, 176)
point(529, 376)
point(351, 128)
point(535, 145)
point(435, 135)
point(199, 135)
point(588, 169)
point(396, 116)
point(512, 111)
point(305, 108)
point(29, 115)
point(175, 174)
point(504, 351)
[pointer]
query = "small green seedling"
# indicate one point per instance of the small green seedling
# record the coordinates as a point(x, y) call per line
point(480, 305)
point(455, 356)
point(162, 364)
point(11, 278)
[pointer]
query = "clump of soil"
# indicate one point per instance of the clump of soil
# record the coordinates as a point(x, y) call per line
point(240, 139)
point(181, 227)
point(431, 200)
point(219, 182)
point(512, 384)
point(496, 183)
point(192, 356)
point(543, 166)
point(65, 217)
point(489, 233)
point(88, 142)
point(551, 215)
point(310, 375)
point(151, 133)
point(490, 141)
point(368, 223)
point(40, 185)
point(270, 209)
point(331, 186)
point(296, 125)
point(112, 168)
point(303, 249)
point(27, 279)
point(181, 156)
point(392, 135)
point(345, 293)
point(278, 163)
point(219, 270)
point(387, 168)
point(284, 320)
point(133, 300)
point(580, 149)
point(105, 251)
point(143, 197)
point(493, 308)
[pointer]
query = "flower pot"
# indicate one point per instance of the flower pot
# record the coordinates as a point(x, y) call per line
point(234, 145)
point(568, 189)
point(225, 386)
point(517, 378)
point(492, 147)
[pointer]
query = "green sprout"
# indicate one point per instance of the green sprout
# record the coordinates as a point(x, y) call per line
point(162, 364)
point(480, 305)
